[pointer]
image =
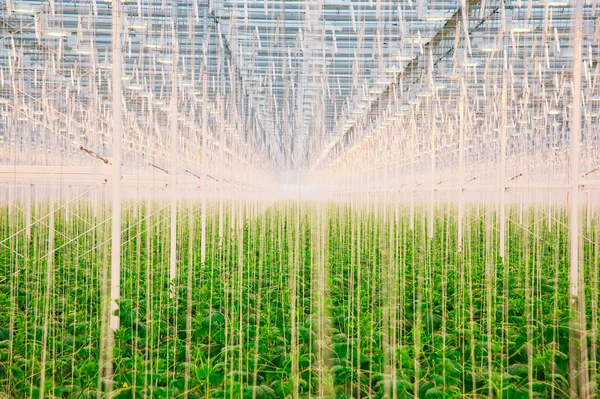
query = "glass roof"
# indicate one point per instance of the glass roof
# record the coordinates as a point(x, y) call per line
point(299, 85)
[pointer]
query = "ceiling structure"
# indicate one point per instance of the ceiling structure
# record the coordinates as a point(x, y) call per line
point(293, 85)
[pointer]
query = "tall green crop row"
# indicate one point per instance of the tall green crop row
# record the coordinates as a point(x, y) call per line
point(298, 300)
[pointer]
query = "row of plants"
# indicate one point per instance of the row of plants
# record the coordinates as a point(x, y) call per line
point(298, 300)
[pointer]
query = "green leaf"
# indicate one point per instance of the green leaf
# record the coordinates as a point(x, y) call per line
point(435, 392)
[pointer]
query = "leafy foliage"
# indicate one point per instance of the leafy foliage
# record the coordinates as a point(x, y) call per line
point(295, 302)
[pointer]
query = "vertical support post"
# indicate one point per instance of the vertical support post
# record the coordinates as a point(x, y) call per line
point(431, 225)
point(432, 115)
point(412, 171)
point(577, 344)
point(386, 184)
point(461, 166)
point(48, 295)
point(106, 344)
point(221, 181)
point(204, 166)
point(115, 270)
point(174, 144)
point(11, 200)
point(502, 176)
point(28, 193)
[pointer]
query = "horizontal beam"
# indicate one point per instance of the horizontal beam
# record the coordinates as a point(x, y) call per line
point(89, 176)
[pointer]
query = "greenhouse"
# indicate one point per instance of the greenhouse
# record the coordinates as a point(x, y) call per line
point(262, 199)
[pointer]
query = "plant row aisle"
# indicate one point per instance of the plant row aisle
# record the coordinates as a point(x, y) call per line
point(294, 300)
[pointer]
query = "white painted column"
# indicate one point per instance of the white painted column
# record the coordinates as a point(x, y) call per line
point(461, 166)
point(413, 132)
point(575, 139)
point(174, 144)
point(204, 165)
point(28, 193)
point(578, 341)
point(431, 224)
point(502, 175)
point(115, 271)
